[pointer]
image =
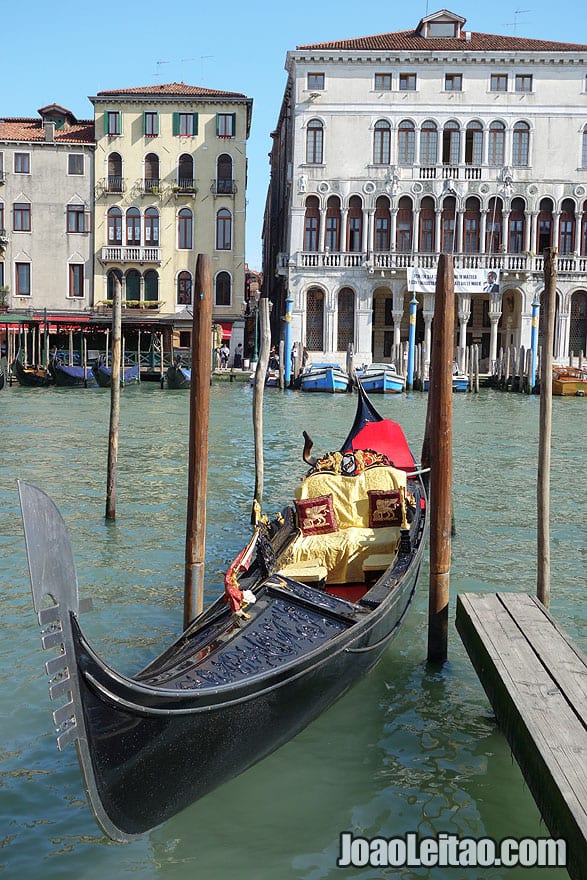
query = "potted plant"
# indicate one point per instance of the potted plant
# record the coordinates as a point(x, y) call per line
point(4, 291)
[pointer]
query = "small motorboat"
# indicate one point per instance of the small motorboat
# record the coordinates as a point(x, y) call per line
point(569, 381)
point(381, 379)
point(326, 377)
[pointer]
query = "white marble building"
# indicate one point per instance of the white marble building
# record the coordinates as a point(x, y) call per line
point(391, 149)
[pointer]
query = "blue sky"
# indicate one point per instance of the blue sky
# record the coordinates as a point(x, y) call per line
point(65, 51)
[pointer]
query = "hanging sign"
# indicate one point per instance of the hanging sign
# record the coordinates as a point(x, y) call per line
point(422, 280)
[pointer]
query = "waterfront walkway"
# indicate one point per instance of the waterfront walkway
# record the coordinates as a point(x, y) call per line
point(536, 680)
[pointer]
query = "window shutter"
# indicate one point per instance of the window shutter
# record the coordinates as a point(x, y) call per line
point(195, 123)
point(156, 126)
point(217, 124)
point(176, 123)
point(234, 124)
point(144, 122)
point(106, 126)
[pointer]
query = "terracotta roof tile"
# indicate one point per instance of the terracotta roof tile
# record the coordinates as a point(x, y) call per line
point(170, 89)
point(22, 129)
point(398, 41)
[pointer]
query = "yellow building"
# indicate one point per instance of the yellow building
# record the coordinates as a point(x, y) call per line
point(171, 173)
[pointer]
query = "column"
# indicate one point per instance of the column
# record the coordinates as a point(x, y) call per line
point(494, 316)
point(428, 314)
point(464, 313)
point(397, 314)
point(483, 232)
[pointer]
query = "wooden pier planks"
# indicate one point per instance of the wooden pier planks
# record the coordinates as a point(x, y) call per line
point(536, 681)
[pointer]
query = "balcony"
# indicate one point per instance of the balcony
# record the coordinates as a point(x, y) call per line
point(130, 254)
point(114, 184)
point(151, 186)
point(2, 176)
point(223, 187)
point(185, 186)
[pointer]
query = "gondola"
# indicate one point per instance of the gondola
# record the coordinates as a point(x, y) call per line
point(178, 376)
point(310, 605)
point(74, 376)
point(30, 377)
point(103, 374)
point(1, 379)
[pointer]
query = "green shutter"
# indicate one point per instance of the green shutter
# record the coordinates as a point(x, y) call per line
point(144, 122)
point(217, 125)
point(234, 124)
point(195, 123)
point(176, 123)
point(105, 121)
point(156, 123)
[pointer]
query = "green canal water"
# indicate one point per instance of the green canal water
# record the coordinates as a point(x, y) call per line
point(408, 749)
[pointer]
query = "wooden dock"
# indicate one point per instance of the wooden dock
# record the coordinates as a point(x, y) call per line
point(536, 681)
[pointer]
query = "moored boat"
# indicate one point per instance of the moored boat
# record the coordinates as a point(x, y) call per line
point(381, 379)
point(30, 377)
point(310, 605)
point(178, 376)
point(103, 374)
point(460, 381)
point(74, 376)
point(330, 378)
point(569, 381)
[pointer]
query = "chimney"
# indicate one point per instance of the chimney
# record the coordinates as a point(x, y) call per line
point(468, 36)
point(49, 132)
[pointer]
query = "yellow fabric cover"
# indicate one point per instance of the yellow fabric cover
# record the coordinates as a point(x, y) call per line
point(351, 502)
point(342, 552)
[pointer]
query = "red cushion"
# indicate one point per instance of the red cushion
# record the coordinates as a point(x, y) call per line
point(385, 508)
point(316, 515)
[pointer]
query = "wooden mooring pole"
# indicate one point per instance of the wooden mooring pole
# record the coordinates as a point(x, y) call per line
point(258, 392)
point(114, 404)
point(195, 541)
point(438, 453)
point(544, 438)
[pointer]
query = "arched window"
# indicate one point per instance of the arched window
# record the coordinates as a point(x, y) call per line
point(224, 174)
point(496, 145)
point(185, 231)
point(427, 225)
point(567, 227)
point(404, 225)
point(113, 282)
point(133, 226)
point(315, 319)
point(382, 225)
point(114, 182)
point(449, 208)
point(184, 289)
point(333, 224)
point(223, 289)
point(355, 225)
point(578, 322)
point(345, 335)
point(544, 225)
point(114, 226)
point(494, 226)
point(152, 227)
point(382, 143)
point(429, 143)
point(521, 144)
point(223, 230)
point(185, 173)
point(133, 287)
point(151, 172)
point(315, 142)
point(311, 224)
point(451, 143)
point(472, 225)
point(517, 223)
point(406, 142)
point(584, 231)
point(474, 143)
point(151, 286)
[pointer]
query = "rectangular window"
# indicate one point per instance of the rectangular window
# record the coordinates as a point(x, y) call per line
point(185, 124)
point(407, 82)
point(22, 163)
point(1, 166)
point(383, 82)
point(225, 125)
point(22, 273)
point(77, 219)
point(150, 123)
point(523, 82)
point(499, 82)
point(75, 163)
point(112, 123)
point(453, 82)
point(316, 81)
point(76, 279)
point(21, 217)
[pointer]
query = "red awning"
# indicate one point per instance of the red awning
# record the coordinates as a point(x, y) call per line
point(226, 329)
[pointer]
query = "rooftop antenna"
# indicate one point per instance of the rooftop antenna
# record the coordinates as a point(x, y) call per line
point(159, 63)
point(514, 23)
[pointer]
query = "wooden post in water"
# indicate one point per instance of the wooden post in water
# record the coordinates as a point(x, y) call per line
point(195, 539)
point(114, 404)
point(543, 488)
point(439, 445)
point(258, 389)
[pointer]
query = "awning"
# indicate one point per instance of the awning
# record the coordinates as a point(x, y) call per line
point(226, 329)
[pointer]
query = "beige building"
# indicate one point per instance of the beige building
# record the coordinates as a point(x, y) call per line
point(46, 203)
point(171, 174)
